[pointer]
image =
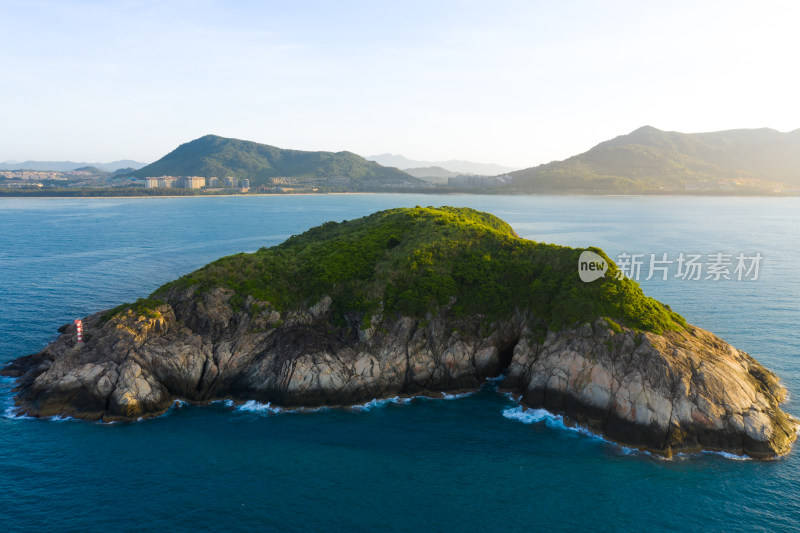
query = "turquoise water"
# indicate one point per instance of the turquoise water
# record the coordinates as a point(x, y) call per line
point(465, 464)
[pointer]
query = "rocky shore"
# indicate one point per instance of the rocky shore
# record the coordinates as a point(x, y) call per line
point(676, 391)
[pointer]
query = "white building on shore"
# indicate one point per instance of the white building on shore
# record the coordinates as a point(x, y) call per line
point(166, 182)
point(193, 182)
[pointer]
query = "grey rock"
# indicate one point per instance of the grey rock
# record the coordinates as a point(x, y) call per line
point(686, 390)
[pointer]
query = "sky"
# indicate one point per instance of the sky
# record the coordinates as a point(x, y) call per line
point(506, 82)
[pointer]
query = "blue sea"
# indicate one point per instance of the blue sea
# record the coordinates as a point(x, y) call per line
point(471, 463)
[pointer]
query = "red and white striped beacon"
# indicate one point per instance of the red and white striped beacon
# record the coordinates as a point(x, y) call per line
point(79, 327)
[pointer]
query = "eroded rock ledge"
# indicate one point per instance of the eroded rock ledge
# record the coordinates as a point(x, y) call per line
point(680, 391)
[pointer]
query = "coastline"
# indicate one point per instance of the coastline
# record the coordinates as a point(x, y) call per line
point(612, 370)
point(148, 196)
point(420, 192)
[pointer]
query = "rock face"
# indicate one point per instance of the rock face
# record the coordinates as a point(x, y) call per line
point(680, 391)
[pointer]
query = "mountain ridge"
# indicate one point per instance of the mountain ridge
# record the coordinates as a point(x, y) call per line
point(68, 166)
point(262, 164)
point(651, 160)
point(457, 166)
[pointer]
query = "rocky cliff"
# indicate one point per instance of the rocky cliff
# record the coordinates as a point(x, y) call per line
point(678, 389)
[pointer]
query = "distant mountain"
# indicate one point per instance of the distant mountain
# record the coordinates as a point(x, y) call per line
point(649, 160)
point(455, 166)
point(91, 169)
point(437, 175)
point(123, 171)
point(116, 165)
point(431, 172)
point(67, 166)
point(263, 164)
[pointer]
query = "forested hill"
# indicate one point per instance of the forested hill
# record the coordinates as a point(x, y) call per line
point(214, 156)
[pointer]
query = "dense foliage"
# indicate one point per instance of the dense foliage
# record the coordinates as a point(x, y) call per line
point(413, 261)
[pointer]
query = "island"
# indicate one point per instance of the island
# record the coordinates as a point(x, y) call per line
point(415, 301)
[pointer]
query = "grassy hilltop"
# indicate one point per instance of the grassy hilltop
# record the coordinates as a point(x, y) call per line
point(413, 261)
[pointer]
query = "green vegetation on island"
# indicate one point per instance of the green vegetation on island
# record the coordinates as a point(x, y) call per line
point(415, 261)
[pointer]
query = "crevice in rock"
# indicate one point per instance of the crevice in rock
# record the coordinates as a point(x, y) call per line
point(504, 357)
point(203, 372)
point(407, 376)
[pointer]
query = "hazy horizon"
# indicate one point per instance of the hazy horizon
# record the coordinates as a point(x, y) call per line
point(516, 84)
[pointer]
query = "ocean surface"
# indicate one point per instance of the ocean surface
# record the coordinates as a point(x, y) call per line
point(472, 463)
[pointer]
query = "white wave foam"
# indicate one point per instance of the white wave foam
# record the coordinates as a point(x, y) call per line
point(526, 416)
point(253, 406)
point(12, 412)
point(60, 418)
point(516, 398)
point(446, 396)
point(377, 403)
point(627, 450)
point(532, 416)
point(728, 455)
